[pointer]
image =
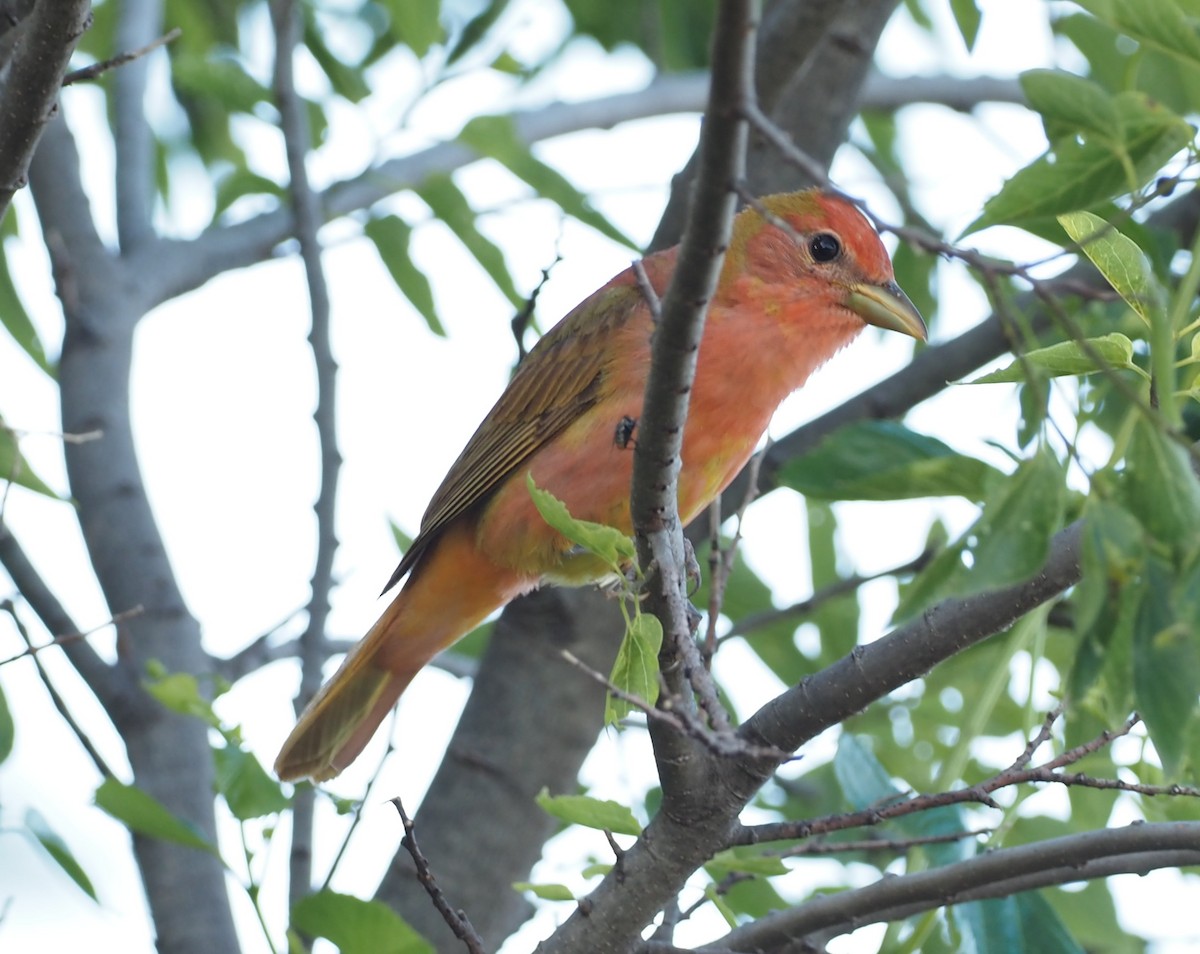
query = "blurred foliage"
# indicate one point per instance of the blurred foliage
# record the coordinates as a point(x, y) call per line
point(1118, 140)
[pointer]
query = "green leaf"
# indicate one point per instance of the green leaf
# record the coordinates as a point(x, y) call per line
point(1160, 488)
point(1021, 924)
point(673, 34)
point(1166, 668)
point(347, 80)
point(248, 790)
point(476, 29)
point(837, 620)
point(1090, 916)
point(1017, 524)
point(1008, 543)
point(1069, 104)
point(1118, 258)
point(220, 78)
point(744, 861)
point(608, 543)
point(1112, 555)
point(967, 16)
point(403, 540)
point(547, 892)
point(746, 594)
point(16, 321)
point(933, 581)
point(860, 775)
point(865, 783)
point(448, 203)
point(1160, 24)
point(416, 23)
point(8, 729)
point(1079, 174)
point(15, 468)
point(884, 460)
point(241, 182)
point(590, 812)
point(1034, 397)
point(356, 926)
point(144, 814)
point(57, 849)
point(1067, 358)
point(180, 692)
point(392, 236)
point(636, 670)
point(496, 138)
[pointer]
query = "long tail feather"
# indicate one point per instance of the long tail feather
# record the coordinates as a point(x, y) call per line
point(451, 591)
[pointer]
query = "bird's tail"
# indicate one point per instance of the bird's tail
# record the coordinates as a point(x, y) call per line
point(451, 591)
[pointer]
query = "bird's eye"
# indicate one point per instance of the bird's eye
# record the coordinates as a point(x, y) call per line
point(825, 247)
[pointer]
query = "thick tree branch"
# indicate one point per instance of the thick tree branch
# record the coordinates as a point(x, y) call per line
point(139, 22)
point(871, 671)
point(505, 743)
point(83, 267)
point(169, 753)
point(1138, 848)
point(183, 265)
point(115, 690)
point(654, 501)
point(815, 102)
point(612, 917)
point(44, 46)
point(525, 728)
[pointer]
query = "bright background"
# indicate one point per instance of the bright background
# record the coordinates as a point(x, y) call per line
point(223, 393)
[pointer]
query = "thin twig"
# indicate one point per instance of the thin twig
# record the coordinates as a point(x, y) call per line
point(57, 700)
point(456, 920)
point(287, 17)
point(1046, 290)
point(747, 624)
point(877, 844)
point(721, 559)
point(93, 71)
point(647, 289)
point(680, 718)
point(522, 318)
point(980, 793)
point(365, 800)
point(32, 650)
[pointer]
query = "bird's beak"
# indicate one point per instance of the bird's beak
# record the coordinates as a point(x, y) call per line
point(886, 306)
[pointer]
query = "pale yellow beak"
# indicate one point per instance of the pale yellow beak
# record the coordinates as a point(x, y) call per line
point(886, 306)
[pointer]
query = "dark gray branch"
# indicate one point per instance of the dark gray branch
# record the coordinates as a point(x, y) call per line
point(612, 917)
point(1138, 848)
point(870, 672)
point(682, 312)
point(502, 748)
point(829, 61)
point(45, 40)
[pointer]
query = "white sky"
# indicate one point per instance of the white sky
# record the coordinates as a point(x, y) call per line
point(223, 395)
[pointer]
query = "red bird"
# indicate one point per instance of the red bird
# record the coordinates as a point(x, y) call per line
point(788, 299)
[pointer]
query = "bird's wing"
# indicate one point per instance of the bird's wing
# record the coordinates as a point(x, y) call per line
point(559, 380)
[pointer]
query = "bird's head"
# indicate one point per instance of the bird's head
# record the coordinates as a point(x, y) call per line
point(816, 244)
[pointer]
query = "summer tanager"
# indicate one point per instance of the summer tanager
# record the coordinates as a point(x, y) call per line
point(787, 300)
